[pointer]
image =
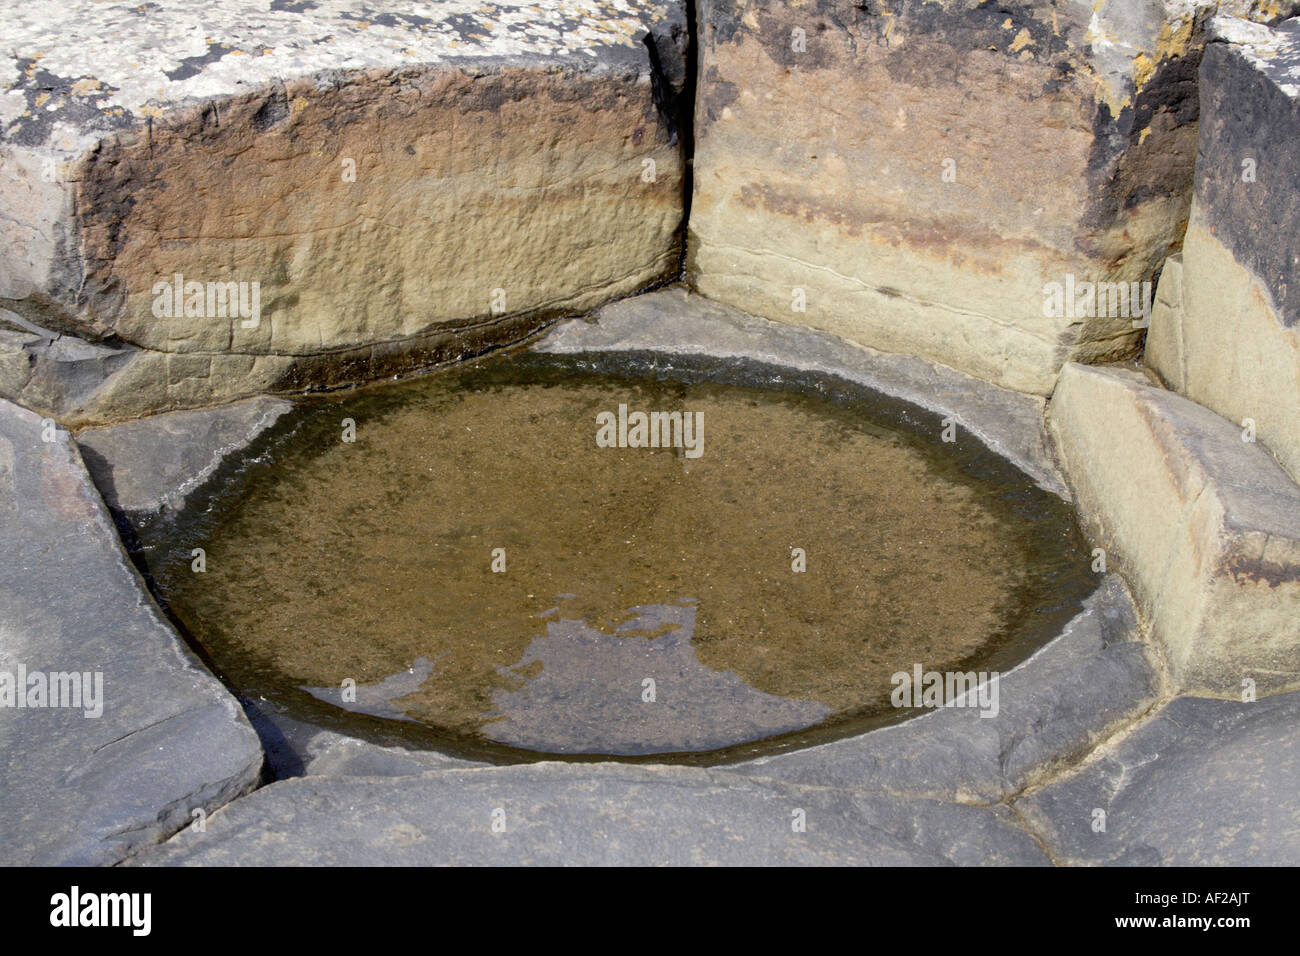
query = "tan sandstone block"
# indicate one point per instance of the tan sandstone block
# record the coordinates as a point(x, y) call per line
point(1238, 357)
point(825, 130)
point(375, 195)
point(1164, 347)
point(1205, 526)
point(1233, 341)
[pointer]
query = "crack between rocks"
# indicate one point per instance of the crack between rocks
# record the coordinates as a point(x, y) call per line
point(1024, 824)
point(1102, 748)
point(687, 139)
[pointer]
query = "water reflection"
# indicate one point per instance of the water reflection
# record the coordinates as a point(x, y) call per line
point(591, 693)
point(638, 690)
point(377, 699)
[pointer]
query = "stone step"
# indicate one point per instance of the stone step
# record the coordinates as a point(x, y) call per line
point(552, 814)
point(1203, 524)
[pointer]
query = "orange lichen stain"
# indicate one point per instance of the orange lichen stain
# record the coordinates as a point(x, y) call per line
point(1143, 68)
point(1022, 40)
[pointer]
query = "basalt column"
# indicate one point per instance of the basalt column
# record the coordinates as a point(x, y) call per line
point(1226, 330)
point(321, 198)
point(929, 177)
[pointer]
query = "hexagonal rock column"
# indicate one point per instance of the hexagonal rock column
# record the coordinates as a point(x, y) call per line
point(943, 178)
point(1226, 329)
point(256, 197)
point(1205, 526)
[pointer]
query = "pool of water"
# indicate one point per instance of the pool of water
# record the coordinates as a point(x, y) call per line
point(495, 560)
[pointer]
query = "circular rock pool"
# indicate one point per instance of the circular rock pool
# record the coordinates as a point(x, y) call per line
point(615, 555)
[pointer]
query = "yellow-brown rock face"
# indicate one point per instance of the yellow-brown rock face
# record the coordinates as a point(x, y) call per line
point(943, 178)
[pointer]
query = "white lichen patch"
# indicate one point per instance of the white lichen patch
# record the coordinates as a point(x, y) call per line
point(1275, 52)
point(127, 61)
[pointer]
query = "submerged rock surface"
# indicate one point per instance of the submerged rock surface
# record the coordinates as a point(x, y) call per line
point(478, 560)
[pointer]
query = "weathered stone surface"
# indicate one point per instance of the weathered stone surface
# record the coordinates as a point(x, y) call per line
point(400, 187)
point(152, 464)
point(1053, 709)
point(52, 371)
point(1164, 346)
point(1204, 783)
point(1230, 338)
point(1250, 106)
point(94, 789)
point(674, 321)
point(295, 748)
point(824, 130)
point(593, 814)
point(1205, 526)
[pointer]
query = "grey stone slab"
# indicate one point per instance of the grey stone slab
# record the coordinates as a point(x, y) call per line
point(331, 754)
point(1203, 783)
point(80, 788)
point(674, 320)
point(592, 814)
point(152, 464)
point(53, 371)
point(1052, 709)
